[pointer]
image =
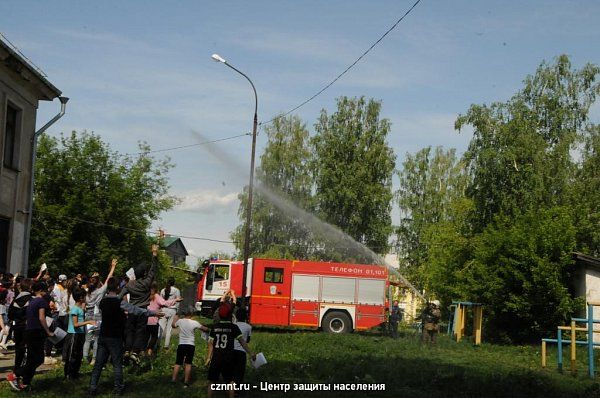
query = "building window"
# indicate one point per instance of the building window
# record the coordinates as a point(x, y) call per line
point(4, 227)
point(274, 275)
point(11, 136)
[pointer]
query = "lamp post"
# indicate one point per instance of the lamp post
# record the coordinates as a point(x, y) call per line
point(218, 58)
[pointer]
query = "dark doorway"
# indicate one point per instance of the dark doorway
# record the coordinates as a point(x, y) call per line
point(4, 227)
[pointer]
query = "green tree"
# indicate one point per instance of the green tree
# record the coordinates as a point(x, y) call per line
point(449, 245)
point(532, 204)
point(586, 200)
point(283, 170)
point(430, 182)
point(353, 167)
point(521, 269)
point(519, 156)
point(181, 273)
point(92, 204)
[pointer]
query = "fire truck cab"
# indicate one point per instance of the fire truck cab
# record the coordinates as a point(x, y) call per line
point(336, 297)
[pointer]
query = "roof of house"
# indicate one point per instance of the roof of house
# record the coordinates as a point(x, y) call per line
point(20, 64)
point(586, 260)
point(170, 240)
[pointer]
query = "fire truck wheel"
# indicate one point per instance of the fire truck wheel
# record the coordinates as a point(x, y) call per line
point(337, 322)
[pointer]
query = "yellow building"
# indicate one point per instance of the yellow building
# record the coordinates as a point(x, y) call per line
point(408, 301)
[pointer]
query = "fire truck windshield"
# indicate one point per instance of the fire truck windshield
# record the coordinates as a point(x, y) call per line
point(221, 272)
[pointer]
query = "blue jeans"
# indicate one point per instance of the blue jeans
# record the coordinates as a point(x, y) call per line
point(113, 347)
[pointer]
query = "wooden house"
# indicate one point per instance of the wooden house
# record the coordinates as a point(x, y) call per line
point(174, 248)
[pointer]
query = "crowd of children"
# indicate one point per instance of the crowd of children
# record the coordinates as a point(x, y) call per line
point(116, 320)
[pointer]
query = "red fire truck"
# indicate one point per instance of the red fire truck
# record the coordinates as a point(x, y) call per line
point(336, 297)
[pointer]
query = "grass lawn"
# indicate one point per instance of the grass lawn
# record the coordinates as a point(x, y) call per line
point(405, 367)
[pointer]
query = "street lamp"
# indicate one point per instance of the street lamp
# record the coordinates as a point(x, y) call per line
point(218, 58)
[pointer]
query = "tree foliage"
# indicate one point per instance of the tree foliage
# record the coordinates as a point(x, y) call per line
point(283, 170)
point(430, 183)
point(519, 157)
point(521, 268)
point(506, 240)
point(353, 166)
point(342, 174)
point(92, 204)
point(585, 191)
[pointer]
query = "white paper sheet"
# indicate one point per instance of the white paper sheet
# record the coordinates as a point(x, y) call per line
point(59, 334)
point(260, 360)
point(204, 336)
point(130, 274)
point(92, 328)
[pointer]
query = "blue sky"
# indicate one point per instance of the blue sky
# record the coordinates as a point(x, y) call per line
point(141, 71)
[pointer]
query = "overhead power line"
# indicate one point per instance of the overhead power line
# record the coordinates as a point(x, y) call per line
point(331, 83)
point(338, 77)
point(206, 239)
point(308, 246)
point(189, 145)
point(142, 231)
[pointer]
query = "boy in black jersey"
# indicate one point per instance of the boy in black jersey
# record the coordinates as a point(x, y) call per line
point(221, 346)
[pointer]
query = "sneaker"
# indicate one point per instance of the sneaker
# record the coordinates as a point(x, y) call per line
point(92, 362)
point(134, 358)
point(14, 382)
point(185, 385)
point(49, 361)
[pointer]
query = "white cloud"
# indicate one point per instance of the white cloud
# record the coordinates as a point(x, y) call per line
point(207, 201)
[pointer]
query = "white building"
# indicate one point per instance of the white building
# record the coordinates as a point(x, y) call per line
point(587, 283)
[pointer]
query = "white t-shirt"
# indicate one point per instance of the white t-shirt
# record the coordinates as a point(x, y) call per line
point(246, 332)
point(59, 294)
point(186, 330)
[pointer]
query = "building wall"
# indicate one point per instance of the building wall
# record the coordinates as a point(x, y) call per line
point(407, 300)
point(177, 259)
point(177, 252)
point(592, 287)
point(14, 182)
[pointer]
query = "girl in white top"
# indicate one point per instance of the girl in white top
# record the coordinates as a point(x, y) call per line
point(165, 323)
